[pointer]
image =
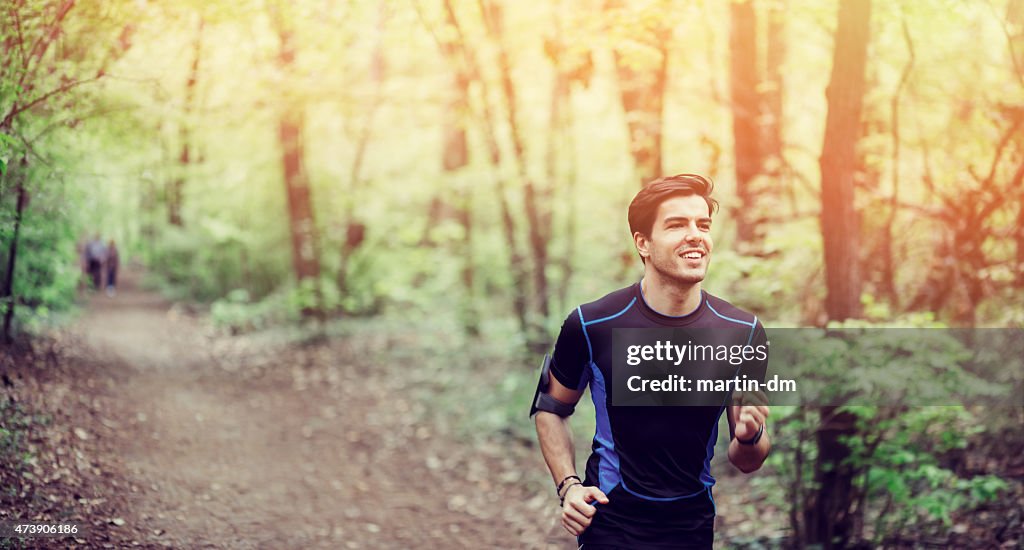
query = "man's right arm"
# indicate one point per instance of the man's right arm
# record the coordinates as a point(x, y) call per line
point(554, 434)
point(556, 444)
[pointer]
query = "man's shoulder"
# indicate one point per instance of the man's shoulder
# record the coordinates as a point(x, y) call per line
point(610, 305)
point(725, 310)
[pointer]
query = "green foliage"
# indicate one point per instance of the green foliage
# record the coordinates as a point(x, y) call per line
point(774, 282)
point(15, 424)
point(46, 272)
point(44, 95)
point(902, 451)
point(900, 455)
point(207, 262)
point(117, 144)
point(904, 472)
point(913, 367)
point(238, 313)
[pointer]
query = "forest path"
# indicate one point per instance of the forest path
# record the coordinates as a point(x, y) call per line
point(295, 448)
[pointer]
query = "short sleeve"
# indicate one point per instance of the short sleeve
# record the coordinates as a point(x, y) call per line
point(759, 340)
point(572, 354)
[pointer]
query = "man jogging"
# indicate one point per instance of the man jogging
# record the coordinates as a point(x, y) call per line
point(647, 482)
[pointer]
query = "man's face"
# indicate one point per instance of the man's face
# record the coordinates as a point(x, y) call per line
point(679, 246)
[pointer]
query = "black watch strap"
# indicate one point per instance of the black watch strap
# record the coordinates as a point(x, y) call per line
point(753, 440)
point(558, 490)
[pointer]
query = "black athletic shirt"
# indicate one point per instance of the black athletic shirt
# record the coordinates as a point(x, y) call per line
point(654, 463)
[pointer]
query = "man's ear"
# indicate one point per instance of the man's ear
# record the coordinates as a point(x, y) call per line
point(642, 244)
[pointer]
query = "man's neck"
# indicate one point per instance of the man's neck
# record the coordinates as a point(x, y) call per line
point(667, 298)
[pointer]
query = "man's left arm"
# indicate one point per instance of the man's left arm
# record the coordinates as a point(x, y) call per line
point(748, 411)
point(747, 419)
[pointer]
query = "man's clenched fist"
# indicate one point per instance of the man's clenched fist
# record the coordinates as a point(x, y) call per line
point(750, 410)
point(577, 512)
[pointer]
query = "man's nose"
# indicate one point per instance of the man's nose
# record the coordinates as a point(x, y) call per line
point(692, 234)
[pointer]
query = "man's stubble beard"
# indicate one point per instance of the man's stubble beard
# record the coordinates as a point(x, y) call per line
point(688, 278)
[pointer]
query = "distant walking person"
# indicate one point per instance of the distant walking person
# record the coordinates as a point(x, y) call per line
point(95, 256)
point(113, 262)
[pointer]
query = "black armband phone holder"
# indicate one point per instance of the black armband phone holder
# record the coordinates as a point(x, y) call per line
point(542, 401)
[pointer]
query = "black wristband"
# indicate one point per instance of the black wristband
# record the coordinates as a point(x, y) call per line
point(561, 497)
point(561, 484)
point(753, 440)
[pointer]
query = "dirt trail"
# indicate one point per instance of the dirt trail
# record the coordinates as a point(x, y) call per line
point(287, 448)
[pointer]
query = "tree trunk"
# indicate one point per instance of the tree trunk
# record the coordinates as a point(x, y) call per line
point(569, 198)
point(302, 223)
point(771, 99)
point(517, 266)
point(1015, 15)
point(355, 230)
point(1019, 282)
point(827, 519)
point(839, 224)
point(1018, 189)
point(464, 215)
point(643, 96)
point(8, 291)
point(456, 157)
point(888, 286)
point(175, 195)
point(745, 113)
point(535, 201)
point(469, 313)
point(940, 281)
point(561, 175)
point(642, 91)
point(305, 260)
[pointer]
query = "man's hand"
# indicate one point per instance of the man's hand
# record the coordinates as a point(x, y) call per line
point(746, 416)
point(577, 513)
point(750, 412)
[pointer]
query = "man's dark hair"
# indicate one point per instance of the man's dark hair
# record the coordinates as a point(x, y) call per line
point(645, 204)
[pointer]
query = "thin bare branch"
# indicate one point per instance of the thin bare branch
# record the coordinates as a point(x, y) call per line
point(18, 109)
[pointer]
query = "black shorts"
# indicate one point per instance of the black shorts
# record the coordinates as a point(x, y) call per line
point(630, 522)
